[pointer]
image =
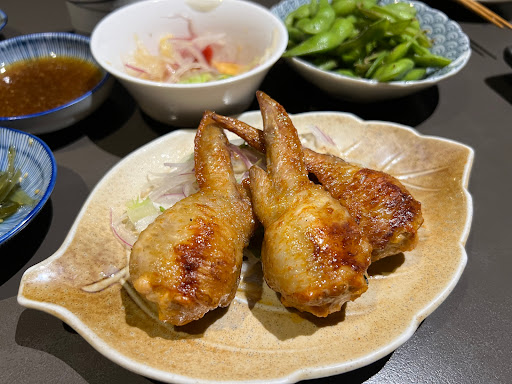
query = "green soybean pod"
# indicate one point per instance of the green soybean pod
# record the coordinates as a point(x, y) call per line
point(300, 13)
point(325, 41)
point(416, 47)
point(320, 22)
point(343, 7)
point(394, 71)
point(400, 11)
point(398, 28)
point(419, 35)
point(313, 7)
point(415, 74)
point(398, 52)
point(295, 36)
point(405, 10)
point(376, 64)
point(326, 64)
point(368, 3)
point(372, 32)
point(431, 60)
point(351, 56)
point(345, 72)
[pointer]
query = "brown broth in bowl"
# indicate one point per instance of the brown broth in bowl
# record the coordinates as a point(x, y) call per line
point(37, 85)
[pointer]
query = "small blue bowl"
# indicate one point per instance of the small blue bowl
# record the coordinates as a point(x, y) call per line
point(45, 45)
point(36, 161)
point(3, 19)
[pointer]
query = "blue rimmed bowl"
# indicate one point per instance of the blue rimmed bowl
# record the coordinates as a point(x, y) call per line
point(3, 19)
point(48, 44)
point(448, 40)
point(36, 162)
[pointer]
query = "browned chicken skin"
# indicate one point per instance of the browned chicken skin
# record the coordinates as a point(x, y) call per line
point(312, 253)
point(380, 204)
point(386, 212)
point(188, 260)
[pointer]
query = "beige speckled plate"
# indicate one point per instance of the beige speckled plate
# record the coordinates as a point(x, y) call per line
point(257, 339)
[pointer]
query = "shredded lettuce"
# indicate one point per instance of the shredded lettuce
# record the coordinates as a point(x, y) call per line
point(138, 209)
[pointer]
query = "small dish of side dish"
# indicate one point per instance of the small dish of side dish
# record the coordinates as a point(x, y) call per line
point(49, 81)
point(256, 338)
point(373, 50)
point(178, 60)
point(3, 19)
point(27, 176)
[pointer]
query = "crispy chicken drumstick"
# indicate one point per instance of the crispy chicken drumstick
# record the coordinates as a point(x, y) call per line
point(312, 253)
point(385, 210)
point(188, 260)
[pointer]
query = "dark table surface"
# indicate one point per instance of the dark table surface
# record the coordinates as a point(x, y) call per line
point(466, 340)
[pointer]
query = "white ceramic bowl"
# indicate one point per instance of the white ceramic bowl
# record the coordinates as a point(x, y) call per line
point(448, 40)
point(249, 26)
point(44, 45)
point(85, 14)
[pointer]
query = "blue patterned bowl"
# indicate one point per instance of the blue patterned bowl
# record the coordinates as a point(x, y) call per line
point(3, 19)
point(36, 161)
point(48, 44)
point(448, 40)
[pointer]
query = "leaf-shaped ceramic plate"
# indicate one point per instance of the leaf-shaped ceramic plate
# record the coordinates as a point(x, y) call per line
point(257, 339)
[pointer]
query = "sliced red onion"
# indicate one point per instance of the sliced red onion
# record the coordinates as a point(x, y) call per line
point(121, 232)
point(241, 155)
point(136, 69)
point(321, 136)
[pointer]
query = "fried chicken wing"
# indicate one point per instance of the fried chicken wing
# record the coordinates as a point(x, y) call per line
point(387, 213)
point(188, 260)
point(313, 253)
point(385, 210)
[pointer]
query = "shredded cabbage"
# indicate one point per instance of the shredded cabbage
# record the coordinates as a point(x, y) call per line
point(164, 189)
point(138, 209)
point(188, 59)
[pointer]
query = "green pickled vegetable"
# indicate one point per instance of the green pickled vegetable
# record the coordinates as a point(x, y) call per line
point(12, 196)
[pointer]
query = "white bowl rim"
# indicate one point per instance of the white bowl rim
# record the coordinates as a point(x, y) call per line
point(54, 35)
point(271, 60)
point(458, 63)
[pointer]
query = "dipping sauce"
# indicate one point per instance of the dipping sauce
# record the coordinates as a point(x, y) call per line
point(33, 86)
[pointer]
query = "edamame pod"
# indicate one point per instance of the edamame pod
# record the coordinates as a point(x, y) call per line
point(372, 32)
point(345, 72)
point(415, 74)
point(320, 22)
point(343, 7)
point(371, 41)
point(326, 64)
point(300, 13)
point(376, 64)
point(394, 71)
point(431, 60)
point(398, 52)
point(325, 41)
